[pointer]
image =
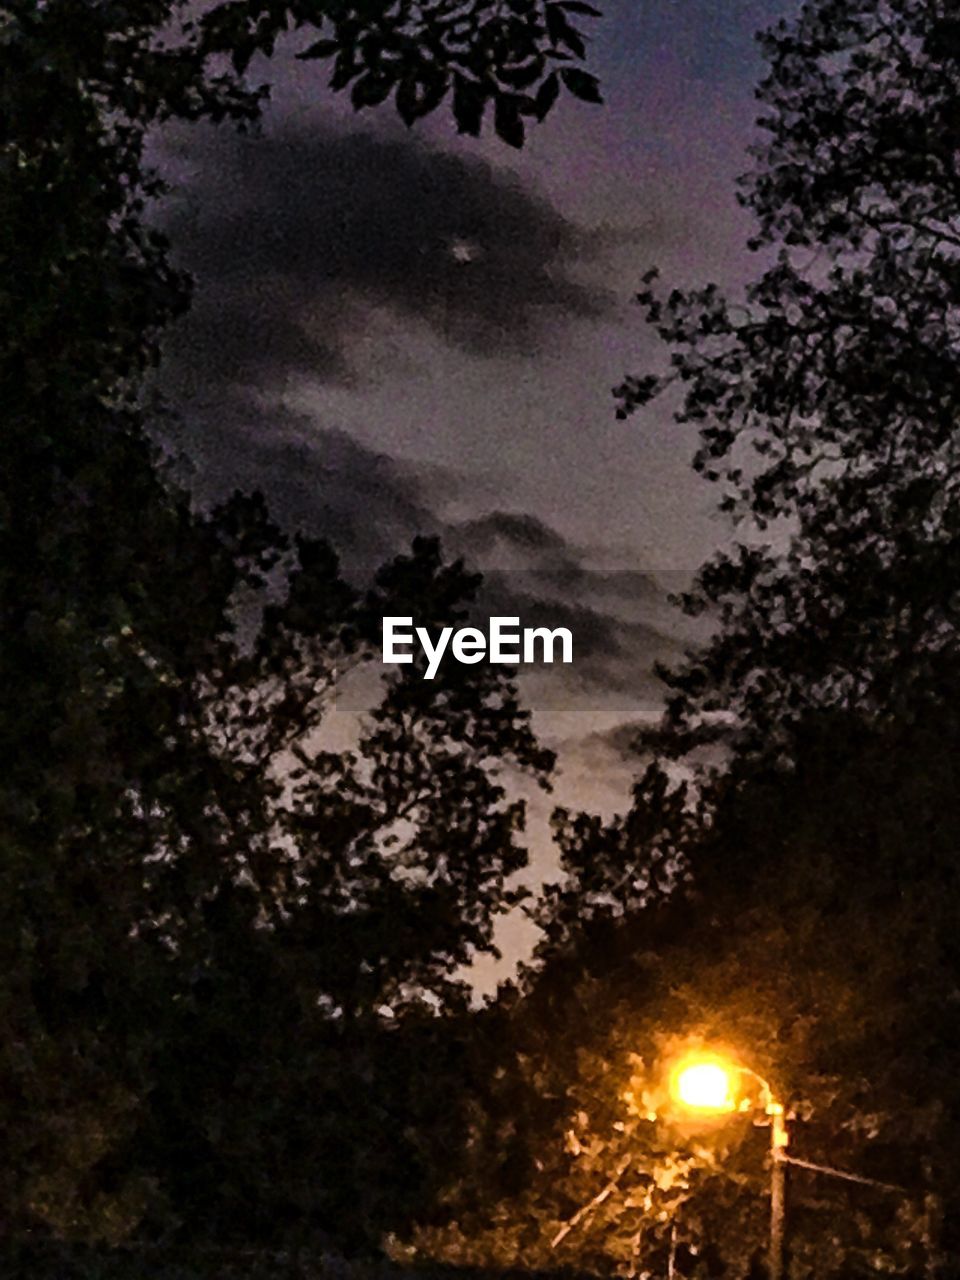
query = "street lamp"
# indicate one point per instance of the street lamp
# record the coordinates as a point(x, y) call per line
point(708, 1084)
point(702, 1086)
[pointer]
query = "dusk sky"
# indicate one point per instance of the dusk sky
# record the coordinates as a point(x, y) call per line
point(461, 823)
point(399, 332)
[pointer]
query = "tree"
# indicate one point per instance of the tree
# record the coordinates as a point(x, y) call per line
point(814, 939)
point(827, 407)
point(188, 877)
point(151, 899)
point(826, 402)
point(793, 892)
point(388, 867)
point(88, 289)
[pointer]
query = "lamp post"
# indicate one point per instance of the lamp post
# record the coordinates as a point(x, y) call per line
point(705, 1084)
point(779, 1140)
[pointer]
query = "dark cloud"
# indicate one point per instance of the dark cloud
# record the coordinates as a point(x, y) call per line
point(612, 654)
point(551, 566)
point(320, 481)
point(488, 532)
point(294, 240)
point(370, 506)
point(533, 573)
point(293, 237)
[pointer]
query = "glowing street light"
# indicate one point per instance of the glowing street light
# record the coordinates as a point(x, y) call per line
point(703, 1086)
point(709, 1084)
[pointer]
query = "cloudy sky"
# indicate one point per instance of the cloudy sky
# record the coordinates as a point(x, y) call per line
point(400, 332)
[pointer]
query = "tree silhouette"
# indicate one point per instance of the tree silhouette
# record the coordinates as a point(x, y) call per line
point(826, 400)
point(211, 926)
point(788, 884)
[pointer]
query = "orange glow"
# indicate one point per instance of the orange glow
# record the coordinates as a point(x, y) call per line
point(703, 1084)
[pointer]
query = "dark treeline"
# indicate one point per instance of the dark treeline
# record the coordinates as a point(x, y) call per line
point(231, 989)
point(223, 946)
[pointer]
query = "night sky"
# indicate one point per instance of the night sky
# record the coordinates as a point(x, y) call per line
point(398, 332)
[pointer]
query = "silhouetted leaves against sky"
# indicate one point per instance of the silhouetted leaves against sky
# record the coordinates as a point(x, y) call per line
point(485, 53)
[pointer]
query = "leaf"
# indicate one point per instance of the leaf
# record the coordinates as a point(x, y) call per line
point(582, 84)
point(507, 120)
point(434, 84)
point(370, 90)
point(522, 77)
point(344, 72)
point(561, 32)
point(547, 95)
point(469, 104)
point(371, 48)
point(408, 102)
point(242, 54)
point(320, 49)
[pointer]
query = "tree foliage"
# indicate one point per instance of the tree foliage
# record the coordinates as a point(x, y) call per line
point(510, 57)
point(216, 927)
point(813, 942)
point(208, 911)
point(826, 399)
point(787, 888)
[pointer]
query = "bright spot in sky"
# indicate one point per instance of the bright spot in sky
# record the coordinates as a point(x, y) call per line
point(705, 1086)
point(464, 251)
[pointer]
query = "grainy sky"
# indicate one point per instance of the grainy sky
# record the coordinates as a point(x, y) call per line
point(400, 332)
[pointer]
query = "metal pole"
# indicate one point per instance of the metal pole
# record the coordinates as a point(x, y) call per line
point(779, 1139)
